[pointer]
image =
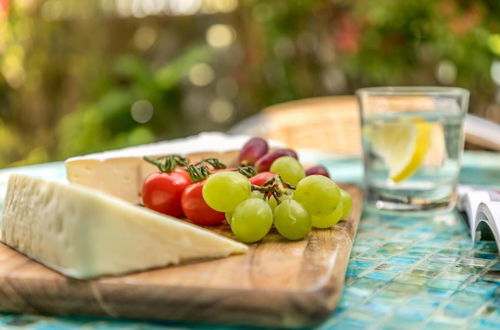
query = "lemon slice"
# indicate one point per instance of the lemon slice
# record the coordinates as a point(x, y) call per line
point(402, 145)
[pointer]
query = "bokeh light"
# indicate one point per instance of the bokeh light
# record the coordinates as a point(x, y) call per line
point(220, 110)
point(220, 35)
point(446, 72)
point(145, 37)
point(142, 111)
point(495, 72)
point(201, 74)
point(219, 6)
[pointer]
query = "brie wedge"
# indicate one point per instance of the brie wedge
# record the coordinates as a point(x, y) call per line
point(122, 172)
point(83, 233)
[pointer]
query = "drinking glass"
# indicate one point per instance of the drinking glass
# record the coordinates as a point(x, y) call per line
point(412, 145)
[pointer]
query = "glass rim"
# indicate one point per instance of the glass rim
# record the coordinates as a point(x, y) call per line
point(412, 91)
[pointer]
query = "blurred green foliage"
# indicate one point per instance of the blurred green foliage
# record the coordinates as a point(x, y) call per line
point(72, 72)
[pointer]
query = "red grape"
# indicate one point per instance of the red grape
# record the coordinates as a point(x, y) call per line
point(255, 148)
point(319, 169)
point(264, 163)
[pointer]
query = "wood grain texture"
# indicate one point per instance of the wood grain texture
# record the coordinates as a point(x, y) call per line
point(279, 283)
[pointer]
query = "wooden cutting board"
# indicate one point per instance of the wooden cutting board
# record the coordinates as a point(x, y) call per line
point(278, 283)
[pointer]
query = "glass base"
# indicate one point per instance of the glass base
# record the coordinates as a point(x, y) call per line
point(404, 204)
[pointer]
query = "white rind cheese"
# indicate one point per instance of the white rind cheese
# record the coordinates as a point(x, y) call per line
point(122, 172)
point(83, 233)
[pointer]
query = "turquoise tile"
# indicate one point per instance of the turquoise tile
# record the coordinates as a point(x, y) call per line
point(402, 288)
point(439, 293)
point(453, 276)
point(362, 264)
point(442, 258)
point(411, 253)
point(443, 325)
point(437, 244)
point(411, 314)
point(358, 292)
point(481, 288)
point(353, 272)
point(381, 276)
point(460, 310)
point(424, 300)
point(474, 262)
point(492, 313)
point(409, 279)
point(368, 283)
point(391, 268)
point(444, 284)
point(403, 261)
point(484, 255)
point(485, 324)
point(388, 297)
point(359, 249)
point(430, 265)
point(347, 302)
point(419, 272)
point(462, 269)
point(351, 320)
point(495, 266)
point(370, 255)
point(379, 307)
point(467, 298)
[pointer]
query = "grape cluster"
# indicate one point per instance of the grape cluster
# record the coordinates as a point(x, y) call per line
point(290, 200)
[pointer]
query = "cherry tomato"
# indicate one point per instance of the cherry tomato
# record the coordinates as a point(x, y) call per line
point(261, 178)
point(162, 191)
point(195, 208)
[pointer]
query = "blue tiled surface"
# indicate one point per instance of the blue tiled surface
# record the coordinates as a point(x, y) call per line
point(404, 272)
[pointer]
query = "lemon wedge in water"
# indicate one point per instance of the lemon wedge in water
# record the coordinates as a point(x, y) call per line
point(402, 145)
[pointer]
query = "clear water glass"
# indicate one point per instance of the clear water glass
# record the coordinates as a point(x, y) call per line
point(412, 146)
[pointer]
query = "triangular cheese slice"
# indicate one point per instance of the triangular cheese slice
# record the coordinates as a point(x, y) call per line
point(83, 233)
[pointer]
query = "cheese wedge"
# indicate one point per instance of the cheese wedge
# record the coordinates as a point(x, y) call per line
point(122, 172)
point(83, 233)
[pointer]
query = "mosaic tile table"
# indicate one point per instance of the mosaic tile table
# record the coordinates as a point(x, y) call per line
point(404, 272)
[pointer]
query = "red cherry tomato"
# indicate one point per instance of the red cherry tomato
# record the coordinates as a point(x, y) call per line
point(261, 178)
point(162, 191)
point(195, 208)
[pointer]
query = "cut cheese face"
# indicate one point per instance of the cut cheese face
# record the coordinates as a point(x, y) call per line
point(83, 233)
point(122, 172)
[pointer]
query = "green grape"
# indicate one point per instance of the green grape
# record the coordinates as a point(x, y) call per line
point(289, 168)
point(228, 216)
point(286, 194)
point(272, 202)
point(257, 194)
point(292, 220)
point(327, 221)
point(252, 219)
point(318, 194)
point(346, 203)
point(223, 191)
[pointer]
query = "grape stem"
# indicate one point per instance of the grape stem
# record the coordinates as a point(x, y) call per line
point(198, 173)
point(247, 171)
point(274, 186)
point(167, 163)
point(214, 162)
